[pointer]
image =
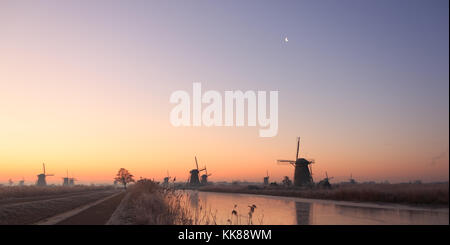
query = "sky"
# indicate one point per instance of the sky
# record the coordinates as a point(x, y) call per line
point(85, 86)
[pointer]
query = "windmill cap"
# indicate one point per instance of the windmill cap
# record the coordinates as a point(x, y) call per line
point(302, 161)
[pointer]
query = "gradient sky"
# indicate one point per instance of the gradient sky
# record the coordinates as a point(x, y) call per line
point(85, 86)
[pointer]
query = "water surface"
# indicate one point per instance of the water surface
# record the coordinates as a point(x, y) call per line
point(272, 210)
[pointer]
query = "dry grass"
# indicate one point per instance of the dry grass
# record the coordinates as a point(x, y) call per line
point(412, 194)
point(33, 191)
point(147, 203)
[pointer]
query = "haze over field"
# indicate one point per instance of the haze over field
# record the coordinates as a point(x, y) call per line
point(86, 87)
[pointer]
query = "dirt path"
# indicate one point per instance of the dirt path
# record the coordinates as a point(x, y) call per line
point(96, 215)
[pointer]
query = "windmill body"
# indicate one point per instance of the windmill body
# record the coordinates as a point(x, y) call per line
point(194, 180)
point(65, 181)
point(302, 174)
point(352, 180)
point(266, 179)
point(204, 179)
point(72, 181)
point(41, 180)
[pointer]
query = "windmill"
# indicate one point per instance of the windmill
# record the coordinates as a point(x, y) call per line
point(166, 179)
point(72, 181)
point(66, 179)
point(351, 180)
point(41, 177)
point(204, 177)
point(22, 182)
point(303, 171)
point(326, 182)
point(266, 179)
point(193, 179)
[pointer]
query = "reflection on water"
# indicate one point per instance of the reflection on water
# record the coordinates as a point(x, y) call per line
point(271, 210)
point(303, 212)
point(193, 200)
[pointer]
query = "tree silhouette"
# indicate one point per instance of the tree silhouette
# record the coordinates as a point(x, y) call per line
point(124, 177)
point(286, 181)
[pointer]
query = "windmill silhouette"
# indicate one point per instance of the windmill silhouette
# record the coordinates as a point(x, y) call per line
point(66, 179)
point(325, 182)
point(266, 179)
point(22, 182)
point(42, 177)
point(303, 170)
point(166, 179)
point(194, 179)
point(204, 177)
point(352, 180)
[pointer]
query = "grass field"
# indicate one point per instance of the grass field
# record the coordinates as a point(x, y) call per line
point(34, 191)
point(31, 204)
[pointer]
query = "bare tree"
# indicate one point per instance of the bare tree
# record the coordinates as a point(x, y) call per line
point(124, 177)
point(286, 181)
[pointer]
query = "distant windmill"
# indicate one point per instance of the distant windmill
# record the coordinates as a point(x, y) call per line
point(204, 177)
point(41, 177)
point(303, 171)
point(193, 179)
point(22, 182)
point(166, 179)
point(326, 182)
point(266, 179)
point(72, 181)
point(351, 180)
point(67, 181)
